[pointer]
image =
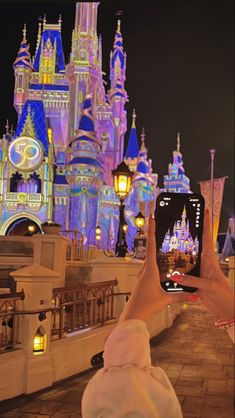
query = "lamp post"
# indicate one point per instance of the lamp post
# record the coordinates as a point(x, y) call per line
point(139, 222)
point(122, 184)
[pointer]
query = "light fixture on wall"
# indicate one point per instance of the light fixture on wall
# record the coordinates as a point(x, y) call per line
point(39, 341)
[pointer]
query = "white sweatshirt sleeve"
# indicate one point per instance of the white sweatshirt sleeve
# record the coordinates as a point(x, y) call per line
point(128, 386)
point(231, 333)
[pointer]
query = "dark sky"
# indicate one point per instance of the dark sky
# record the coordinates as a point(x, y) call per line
point(180, 75)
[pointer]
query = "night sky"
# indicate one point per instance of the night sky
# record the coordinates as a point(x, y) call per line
point(180, 75)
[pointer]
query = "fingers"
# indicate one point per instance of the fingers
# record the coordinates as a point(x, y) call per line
point(151, 244)
point(179, 297)
point(192, 281)
point(207, 242)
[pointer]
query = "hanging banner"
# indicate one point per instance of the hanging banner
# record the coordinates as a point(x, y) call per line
point(218, 190)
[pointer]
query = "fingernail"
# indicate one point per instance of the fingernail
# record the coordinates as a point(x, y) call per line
point(193, 298)
point(177, 277)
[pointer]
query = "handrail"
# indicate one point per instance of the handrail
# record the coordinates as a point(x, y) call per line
point(13, 296)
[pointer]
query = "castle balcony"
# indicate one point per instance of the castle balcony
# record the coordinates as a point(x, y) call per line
point(13, 199)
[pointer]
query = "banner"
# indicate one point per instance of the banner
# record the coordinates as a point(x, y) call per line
point(218, 190)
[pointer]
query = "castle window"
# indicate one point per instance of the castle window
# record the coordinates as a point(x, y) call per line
point(15, 182)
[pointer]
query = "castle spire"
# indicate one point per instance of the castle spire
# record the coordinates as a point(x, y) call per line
point(86, 131)
point(176, 179)
point(118, 60)
point(119, 26)
point(133, 118)
point(39, 36)
point(132, 147)
point(23, 58)
point(143, 150)
point(143, 164)
point(7, 127)
point(24, 33)
point(178, 142)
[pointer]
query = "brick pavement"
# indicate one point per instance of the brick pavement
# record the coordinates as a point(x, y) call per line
point(197, 357)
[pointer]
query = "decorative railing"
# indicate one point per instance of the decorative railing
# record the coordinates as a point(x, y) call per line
point(23, 196)
point(75, 246)
point(72, 310)
point(8, 326)
point(89, 305)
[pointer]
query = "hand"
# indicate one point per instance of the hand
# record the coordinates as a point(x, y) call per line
point(148, 297)
point(213, 287)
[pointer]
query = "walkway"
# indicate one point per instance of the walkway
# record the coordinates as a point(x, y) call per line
point(197, 357)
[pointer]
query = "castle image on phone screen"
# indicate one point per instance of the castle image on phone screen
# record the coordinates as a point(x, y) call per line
point(178, 239)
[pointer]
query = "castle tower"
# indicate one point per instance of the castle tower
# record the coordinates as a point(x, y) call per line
point(132, 150)
point(84, 67)
point(48, 82)
point(144, 181)
point(118, 95)
point(23, 69)
point(84, 176)
point(176, 180)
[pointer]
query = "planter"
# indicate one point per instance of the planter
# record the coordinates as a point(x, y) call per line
point(51, 229)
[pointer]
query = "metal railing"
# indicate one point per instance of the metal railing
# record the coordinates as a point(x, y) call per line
point(8, 326)
point(71, 311)
point(89, 305)
point(75, 245)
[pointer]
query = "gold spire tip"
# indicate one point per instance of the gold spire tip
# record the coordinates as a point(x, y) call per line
point(7, 126)
point(178, 142)
point(133, 118)
point(119, 26)
point(24, 33)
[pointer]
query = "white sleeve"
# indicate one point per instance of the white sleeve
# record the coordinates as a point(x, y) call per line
point(231, 333)
point(128, 386)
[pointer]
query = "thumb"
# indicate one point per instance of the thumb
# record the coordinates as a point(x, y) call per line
point(179, 297)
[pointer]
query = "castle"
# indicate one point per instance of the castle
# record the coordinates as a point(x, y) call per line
point(181, 238)
point(70, 135)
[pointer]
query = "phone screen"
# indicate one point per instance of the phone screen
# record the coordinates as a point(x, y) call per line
point(179, 226)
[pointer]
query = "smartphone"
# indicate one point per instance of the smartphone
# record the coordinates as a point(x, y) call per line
point(179, 227)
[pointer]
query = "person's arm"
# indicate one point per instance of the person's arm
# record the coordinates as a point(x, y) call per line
point(148, 297)
point(213, 286)
point(128, 385)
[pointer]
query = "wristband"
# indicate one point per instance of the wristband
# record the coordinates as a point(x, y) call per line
point(225, 324)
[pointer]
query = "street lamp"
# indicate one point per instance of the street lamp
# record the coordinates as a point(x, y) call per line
point(122, 184)
point(139, 222)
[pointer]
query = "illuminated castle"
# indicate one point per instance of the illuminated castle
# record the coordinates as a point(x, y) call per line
point(181, 238)
point(70, 135)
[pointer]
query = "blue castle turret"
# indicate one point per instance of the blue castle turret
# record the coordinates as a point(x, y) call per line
point(176, 180)
point(132, 149)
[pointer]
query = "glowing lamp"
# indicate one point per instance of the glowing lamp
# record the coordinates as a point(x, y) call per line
point(49, 134)
point(39, 341)
point(122, 184)
point(140, 221)
point(122, 180)
point(125, 227)
point(98, 233)
point(31, 229)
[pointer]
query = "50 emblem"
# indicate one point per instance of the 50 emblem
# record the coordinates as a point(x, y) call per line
point(25, 153)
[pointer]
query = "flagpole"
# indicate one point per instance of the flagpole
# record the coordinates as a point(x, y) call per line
point(212, 153)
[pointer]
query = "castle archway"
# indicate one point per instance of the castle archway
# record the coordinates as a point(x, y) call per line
point(21, 225)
